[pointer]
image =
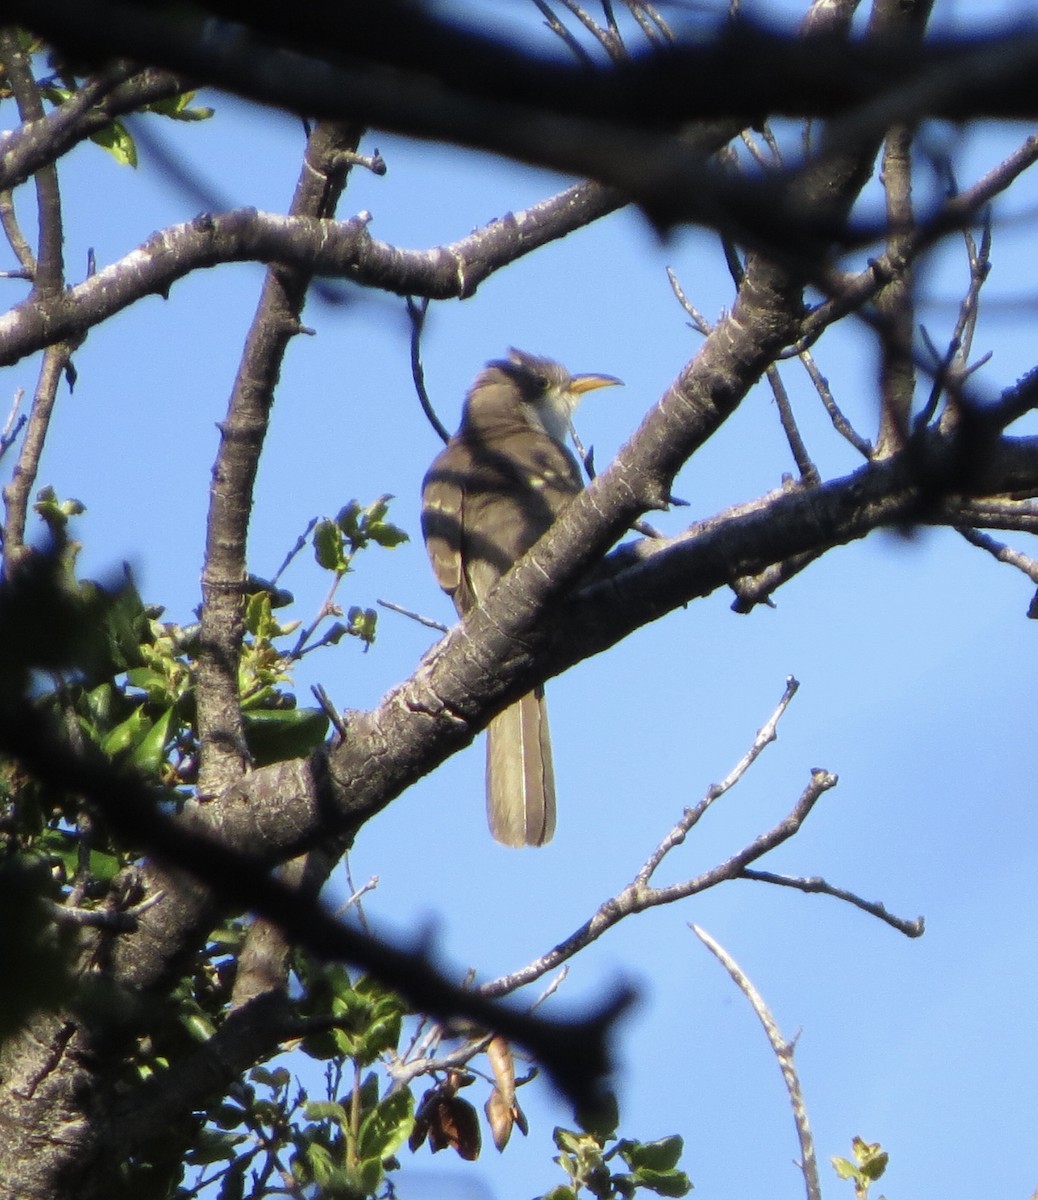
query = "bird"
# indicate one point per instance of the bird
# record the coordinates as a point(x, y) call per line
point(489, 495)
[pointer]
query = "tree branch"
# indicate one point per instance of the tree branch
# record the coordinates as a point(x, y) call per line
point(611, 122)
point(783, 1052)
point(310, 244)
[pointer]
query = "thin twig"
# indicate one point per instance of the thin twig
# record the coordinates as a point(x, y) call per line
point(651, 23)
point(840, 423)
point(355, 897)
point(698, 321)
point(808, 471)
point(15, 238)
point(783, 1052)
point(751, 590)
point(49, 270)
point(356, 892)
point(767, 734)
point(600, 34)
point(16, 493)
point(406, 612)
point(14, 423)
point(1020, 516)
point(1000, 551)
point(816, 885)
point(416, 310)
point(559, 29)
point(850, 294)
point(331, 712)
point(639, 895)
point(300, 543)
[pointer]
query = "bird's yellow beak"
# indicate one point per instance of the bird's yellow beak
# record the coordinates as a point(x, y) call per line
point(587, 383)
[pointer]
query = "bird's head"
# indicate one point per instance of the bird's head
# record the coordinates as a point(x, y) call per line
point(548, 392)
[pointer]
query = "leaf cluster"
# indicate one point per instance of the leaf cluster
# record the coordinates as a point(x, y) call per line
point(589, 1158)
point(869, 1164)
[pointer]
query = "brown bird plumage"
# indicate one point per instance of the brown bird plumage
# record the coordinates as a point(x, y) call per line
point(492, 492)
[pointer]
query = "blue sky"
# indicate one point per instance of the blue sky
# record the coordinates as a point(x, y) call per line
point(916, 662)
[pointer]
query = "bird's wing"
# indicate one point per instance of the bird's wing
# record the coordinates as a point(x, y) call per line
point(443, 514)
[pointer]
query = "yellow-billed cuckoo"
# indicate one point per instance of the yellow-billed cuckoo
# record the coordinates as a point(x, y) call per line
point(490, 494)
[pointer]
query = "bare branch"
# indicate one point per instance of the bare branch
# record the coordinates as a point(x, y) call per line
point(809, 475)
point(1001, 552)
point(112, 93)
point(848, 295)
point(16, 494)
point(220, 730)
point(818, 886)
point(609, 123)
point(840, 423)
point(783, 1052)
point(428, 622)
point(15, 238)
point(14, 423)
point(895, 304)
point(995, 513)
point(699, 322)
point(765, 736)
point(306, 243)
point(49, 274)
point(560, 30)
point(639, 895)
point(416, 310)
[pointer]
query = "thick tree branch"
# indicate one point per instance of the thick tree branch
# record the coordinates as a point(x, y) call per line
point(310, 244)
point(611, 123)
point(242, 435)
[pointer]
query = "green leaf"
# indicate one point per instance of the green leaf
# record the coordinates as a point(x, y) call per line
point(104, 867)
point(326, 1110)
point(330, 547)
point(276, 734)
point(664, 1183)
point(149, 753)
point(320, 1162)
point(385, 1129)
point(369, 1092)
point(574, 1143)
point(362, 623)
point(99, 703)
point(177, 108)
point(198, 1026)
point(348, 519)
point(115, 138)
point(126, 734)
point(126, 626)
point(874, 1168)
point(211, 1146)
point(843, 1168)
point(275, 1080)
point(662, 1155)
point(280, 1078)
point(153, 683)
point(387, 535)
point(227, 1116)
point(381, 1035)
point(53, 512)
point(258, 619)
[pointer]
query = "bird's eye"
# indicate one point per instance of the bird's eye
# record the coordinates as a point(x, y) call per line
point(540, 382)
